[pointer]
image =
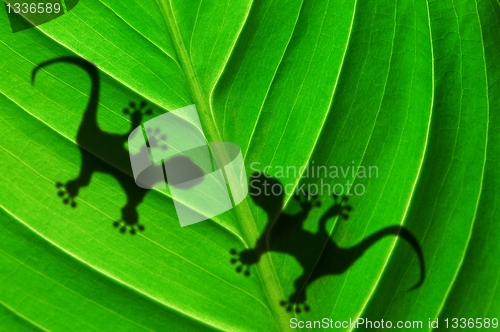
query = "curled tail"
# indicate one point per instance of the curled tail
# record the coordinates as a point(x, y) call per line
point(91, 70)
point(399, 232)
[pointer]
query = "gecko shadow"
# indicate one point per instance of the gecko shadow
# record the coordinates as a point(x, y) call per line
point(284, 233)
point(106, 152)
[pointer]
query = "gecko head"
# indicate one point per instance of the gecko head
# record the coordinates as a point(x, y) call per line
point(266, 192)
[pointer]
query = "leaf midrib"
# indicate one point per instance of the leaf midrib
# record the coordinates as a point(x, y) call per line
point(162, 193)
point(244, 214)
point(164, 51)
point(85, 263)
point(145, 237)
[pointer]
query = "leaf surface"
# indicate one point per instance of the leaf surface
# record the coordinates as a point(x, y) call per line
point(408, 88)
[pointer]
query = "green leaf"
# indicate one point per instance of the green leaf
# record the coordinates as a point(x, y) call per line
point(410, 89)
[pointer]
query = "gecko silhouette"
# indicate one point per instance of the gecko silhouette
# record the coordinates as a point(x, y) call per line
point(106, 152)
point(284, 233)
